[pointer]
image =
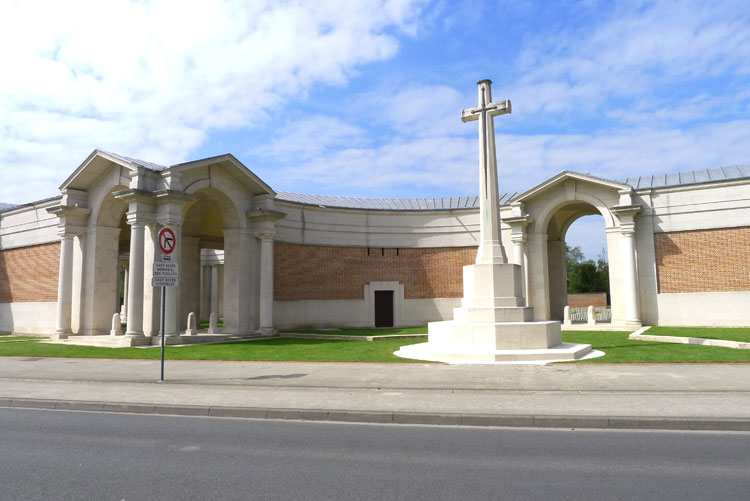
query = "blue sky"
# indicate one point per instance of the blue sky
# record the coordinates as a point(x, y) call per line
point(363, 98)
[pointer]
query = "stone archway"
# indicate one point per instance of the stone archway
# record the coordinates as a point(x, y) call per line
point(539, 220)
point(557, 230)
point(107, 238)
point(213, 222)
point(203, 253)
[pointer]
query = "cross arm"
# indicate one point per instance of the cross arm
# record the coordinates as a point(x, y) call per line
point(494, 109)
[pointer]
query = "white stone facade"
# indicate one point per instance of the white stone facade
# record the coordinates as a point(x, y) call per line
point(227, 221)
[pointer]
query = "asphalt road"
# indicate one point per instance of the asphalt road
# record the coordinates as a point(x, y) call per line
point(74, 455)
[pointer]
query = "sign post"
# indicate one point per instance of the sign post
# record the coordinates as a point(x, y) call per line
point(166, 274)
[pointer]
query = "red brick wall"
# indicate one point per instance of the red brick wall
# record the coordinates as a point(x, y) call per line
point(29, 274)
point(586, 299)
point(321, 272)
point(703, 260)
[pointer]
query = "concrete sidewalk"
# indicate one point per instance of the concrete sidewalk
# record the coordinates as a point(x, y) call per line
point(665, 396)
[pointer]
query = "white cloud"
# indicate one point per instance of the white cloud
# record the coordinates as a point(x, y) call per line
point(154, 77)
point(654, 88)
point(642, 50)
point(424, 166)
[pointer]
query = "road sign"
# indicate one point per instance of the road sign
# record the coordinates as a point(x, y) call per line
point(167, 240)
point(165, 275)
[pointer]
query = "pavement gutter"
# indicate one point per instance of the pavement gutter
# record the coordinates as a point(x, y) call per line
point(390, 417)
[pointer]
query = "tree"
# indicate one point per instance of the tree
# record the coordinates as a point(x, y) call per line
point(583, 277)
point(586, 276)
point(573, 256)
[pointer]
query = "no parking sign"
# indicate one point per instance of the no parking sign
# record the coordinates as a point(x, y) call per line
point(166, 273)
point(167, 241)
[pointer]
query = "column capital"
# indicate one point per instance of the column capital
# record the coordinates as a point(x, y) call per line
point(140, 205)
point(536, 236)
point(626, 215)
point(71, 220)
point(261, 214)
point(265, 236)
point(135, 222)
point(170, 204)
point(518, 238)
point(518, 226)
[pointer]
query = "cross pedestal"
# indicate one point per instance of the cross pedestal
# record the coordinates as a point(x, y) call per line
point(493, 323)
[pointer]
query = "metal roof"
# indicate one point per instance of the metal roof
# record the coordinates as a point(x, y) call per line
point(688, 177)
point(398, 204)
point(7, 207)
point(137, 163)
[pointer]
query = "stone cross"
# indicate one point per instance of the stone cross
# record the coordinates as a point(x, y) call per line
point(490, 247)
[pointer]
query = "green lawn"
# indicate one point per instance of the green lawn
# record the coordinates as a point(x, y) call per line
point(616, 345)
point(619, 349)
point(206, 325)
point(741, 334)
point(362, 332)
point(284, 349)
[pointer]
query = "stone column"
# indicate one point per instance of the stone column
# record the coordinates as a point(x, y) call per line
point(266, 284)
point(124, 310)
point(65, 287)
point(626, 214)
point(72, 221)
point(151, 294)
point(630, 270)
point(538, 287)
point(205, 291)
point(518, 221)
point(558, 285)
point(172, 308)
point(135, 280)
point(214, 296)
point(519, 258)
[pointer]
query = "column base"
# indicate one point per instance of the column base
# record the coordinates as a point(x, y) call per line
point(267, 331)
point(133, 335)
point(62, 334)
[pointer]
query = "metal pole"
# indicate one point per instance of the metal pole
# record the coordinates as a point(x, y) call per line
point(163, 315)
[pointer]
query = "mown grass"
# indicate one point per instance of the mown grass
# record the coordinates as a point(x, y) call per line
point(616, 345)
point(619, 349)
point(741, 334)
point(206, 325)
point(361, 332)
point(276, 349)
point(19, 338)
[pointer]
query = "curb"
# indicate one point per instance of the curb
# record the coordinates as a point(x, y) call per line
point(392, 417)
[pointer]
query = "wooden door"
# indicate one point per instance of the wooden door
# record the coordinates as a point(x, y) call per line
point(383, 308)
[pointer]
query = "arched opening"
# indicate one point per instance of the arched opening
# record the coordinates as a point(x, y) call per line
point(106, 242)
point(203, 255)
point(578, 272)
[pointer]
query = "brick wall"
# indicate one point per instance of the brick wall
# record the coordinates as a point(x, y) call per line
point(703, 260)
point(29, 274)
point(318, 272)
point(586, 299)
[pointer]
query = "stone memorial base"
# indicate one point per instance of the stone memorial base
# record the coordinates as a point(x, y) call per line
point(492, 325)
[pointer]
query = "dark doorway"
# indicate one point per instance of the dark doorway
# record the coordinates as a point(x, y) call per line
point(383, 308)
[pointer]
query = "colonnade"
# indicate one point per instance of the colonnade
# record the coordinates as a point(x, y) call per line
point(141, 307)
point(212, 270)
